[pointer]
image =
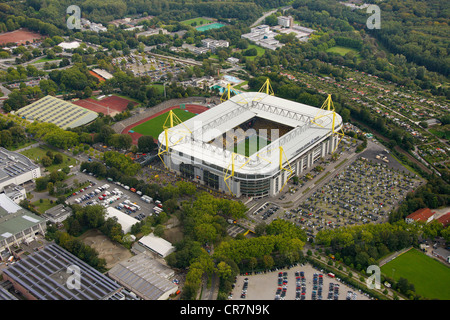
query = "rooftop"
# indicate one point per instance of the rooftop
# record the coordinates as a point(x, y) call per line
point(157, 244)
point(444, 219)
point(14, 164)
point(14, 219)
point(44, 275)
point(421, 215)
point(62, 113)
point(144, 275)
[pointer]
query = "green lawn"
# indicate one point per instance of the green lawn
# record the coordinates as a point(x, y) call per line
point(154, 127)
point(431, 278)
point(441, 134)
point(200, 21)
point(344, 50)
point(36, 154)
point(45, 60)
point(158, 87)
point(44, 206)
point(260, 51)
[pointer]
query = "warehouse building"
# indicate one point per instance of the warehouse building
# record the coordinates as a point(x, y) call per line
point(62, 113)
point(123, 219)
point(148, 278)
point(157, 245)
point(17, 225)
point(16, 169)
point(57, 214)
point(53, 273)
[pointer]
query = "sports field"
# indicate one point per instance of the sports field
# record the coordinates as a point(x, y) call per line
point(154, 127)
point(431, 278)
point(210, 26)
point(250, 145)
point(200, 21)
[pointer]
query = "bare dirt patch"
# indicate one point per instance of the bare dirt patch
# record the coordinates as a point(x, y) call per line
point(20, 36)
point(107, 249)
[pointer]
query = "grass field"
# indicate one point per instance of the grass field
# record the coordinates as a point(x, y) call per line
point(46, 60)
point(344, 50)
point(250, 145)
point(431, 278)
point(260, 51)
point(154, 127)
point(200, 21)
point(44, 206)
point(36, 154)
point(441, 134)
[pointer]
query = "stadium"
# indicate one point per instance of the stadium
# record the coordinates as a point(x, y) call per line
point(250, 144)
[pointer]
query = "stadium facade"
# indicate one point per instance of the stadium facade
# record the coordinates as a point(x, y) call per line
point(251, 144)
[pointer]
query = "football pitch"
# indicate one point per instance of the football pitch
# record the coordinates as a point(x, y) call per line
point(431, 278)
point(154, 127)
point(250, 145)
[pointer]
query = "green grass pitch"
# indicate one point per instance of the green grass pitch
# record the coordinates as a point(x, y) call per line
point(154, 127)
point(431, 278)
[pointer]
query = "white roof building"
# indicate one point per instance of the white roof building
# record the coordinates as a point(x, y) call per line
point(69, 45)
point(123, 219)
point(157, 245)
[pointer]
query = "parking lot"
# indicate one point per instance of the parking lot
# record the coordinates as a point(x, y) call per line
point(115, 193)
point(365, 192)
point(297, 282)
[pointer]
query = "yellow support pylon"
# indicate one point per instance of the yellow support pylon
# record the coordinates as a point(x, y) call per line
point(227, 92)
point(291, 172)
point(171, 121)
point(266, 88)
point(328, 106)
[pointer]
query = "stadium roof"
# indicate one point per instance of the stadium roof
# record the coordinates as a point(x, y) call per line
point(44, 274)
point(240, 108)
point(53, 110)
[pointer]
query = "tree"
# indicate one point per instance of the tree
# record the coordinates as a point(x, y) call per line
point(146, 144)
point(159, 230)
point(50, 188)
point(224, 270)
point(46, 161)
point(58, 158)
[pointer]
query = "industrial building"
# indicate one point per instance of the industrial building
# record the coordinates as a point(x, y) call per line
point(148, 278)
point(123, 219)
point(157, 245)
point(16, 169)
point(57, 214)
point(251, 144)
point(62, 113)
point(17, 225)
point(53, 273)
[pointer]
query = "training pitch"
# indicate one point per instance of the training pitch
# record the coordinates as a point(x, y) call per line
point(430, 277)
point(154, 127)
